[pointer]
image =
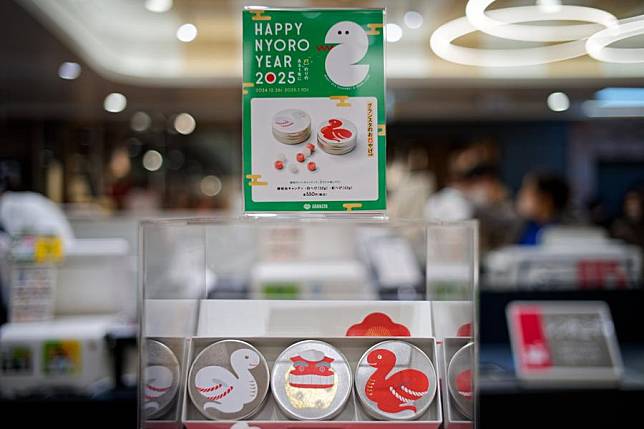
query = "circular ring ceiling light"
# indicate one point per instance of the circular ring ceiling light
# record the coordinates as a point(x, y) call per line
point(506, 28)
point(572, 40)
point(597, 44)
point(442, 38)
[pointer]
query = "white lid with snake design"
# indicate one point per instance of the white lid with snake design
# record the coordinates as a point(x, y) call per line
point(395, 380)
point(291, 126)
point(228, 380)
point(161, 379)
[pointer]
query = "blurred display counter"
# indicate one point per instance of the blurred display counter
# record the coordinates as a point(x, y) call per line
point(505, 400)
point(69, 355)
point(566, 258)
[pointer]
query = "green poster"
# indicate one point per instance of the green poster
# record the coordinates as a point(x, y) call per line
point(314, 110)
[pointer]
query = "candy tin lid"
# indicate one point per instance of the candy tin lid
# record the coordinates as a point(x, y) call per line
point(395, 380)
point(337, 136)
point(459, 378)
point(161, 378)
point(228, 380)
point(311, 380)
point(291, 126)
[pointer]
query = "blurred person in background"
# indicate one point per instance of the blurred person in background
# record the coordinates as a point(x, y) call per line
point(451, 203)
point(630, 225)
point(492, 206)
point(542, 201)
point(476, 191)
point(410, 184)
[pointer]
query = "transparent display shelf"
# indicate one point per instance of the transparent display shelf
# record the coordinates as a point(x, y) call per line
point(372, 301)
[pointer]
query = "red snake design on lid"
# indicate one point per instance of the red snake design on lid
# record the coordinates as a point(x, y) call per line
point(335, 132)
point(396, 392)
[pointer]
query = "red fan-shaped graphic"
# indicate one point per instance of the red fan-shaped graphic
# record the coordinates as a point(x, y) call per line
point(334, 132)
point(378, 325)
point(464, 330)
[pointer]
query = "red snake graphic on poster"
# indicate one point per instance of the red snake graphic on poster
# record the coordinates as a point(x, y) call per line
point(397, 392)
point(334, 132)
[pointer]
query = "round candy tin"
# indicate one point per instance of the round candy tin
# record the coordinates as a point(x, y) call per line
point(337, 136)
point(459, 379)
point(291, 126)
point(228, 380)
point(395, 380)
point(311, 380)
point(161, 378)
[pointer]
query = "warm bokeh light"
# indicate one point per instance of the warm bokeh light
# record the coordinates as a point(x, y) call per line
point(115, 102)
point(187, 33)
point(152, 160)
point(184, 123)
point(394, 32)
point(558, 102)
point(140, 121)
point(210, 186)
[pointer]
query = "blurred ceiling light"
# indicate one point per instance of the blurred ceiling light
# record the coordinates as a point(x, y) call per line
point(152, 160)
point(597, 44)
point(558, 102)
point(184, 123)
point(413, 19)
point(505, 24)
point(394, 32)
point(500, 23)
point(115, 102)
point(187, 33)
point(140, 121)
point(210, 186)
point(158, 6)
point(69, 70)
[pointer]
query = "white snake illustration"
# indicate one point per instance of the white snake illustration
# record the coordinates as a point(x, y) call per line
point(225, 391)
point(158, 380)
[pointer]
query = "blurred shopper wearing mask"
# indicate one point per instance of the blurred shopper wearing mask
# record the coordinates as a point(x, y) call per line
point(542, 201)
point(491, 205)
point(478, 193)
point(630, 226)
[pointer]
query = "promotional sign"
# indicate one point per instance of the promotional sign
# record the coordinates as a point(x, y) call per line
point(564, 341)
point(313, 110)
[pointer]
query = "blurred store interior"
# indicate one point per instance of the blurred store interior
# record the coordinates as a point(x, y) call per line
point(123, 110)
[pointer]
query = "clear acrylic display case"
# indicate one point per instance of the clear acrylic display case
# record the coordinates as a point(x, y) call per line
point(274, 281)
